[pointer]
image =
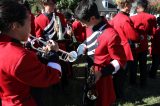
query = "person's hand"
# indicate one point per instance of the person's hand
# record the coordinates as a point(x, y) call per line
point(51, 45)
point(97, 73)
point(81, 49)
point(141, 37)
point(69, 31)
point(50, 51)
point(28, 44)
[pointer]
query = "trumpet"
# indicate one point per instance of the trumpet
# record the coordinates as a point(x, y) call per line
point(65, 56)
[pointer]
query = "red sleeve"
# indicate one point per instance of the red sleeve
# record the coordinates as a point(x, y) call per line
point(152, 26)
point(31, 71)
point(116, 50)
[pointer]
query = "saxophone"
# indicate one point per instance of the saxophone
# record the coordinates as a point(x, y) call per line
point(90, 94)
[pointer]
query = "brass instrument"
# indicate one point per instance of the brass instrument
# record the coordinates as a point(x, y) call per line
point(69, 28)
point(71, 56)
point(90, 94)
point(60, 34)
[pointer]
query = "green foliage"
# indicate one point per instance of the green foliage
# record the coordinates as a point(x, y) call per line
point(61, 5)
point(67, 4)
point(154, 6)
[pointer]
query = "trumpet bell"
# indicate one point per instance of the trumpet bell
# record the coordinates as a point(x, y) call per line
point(81, 49)
point(72, 56)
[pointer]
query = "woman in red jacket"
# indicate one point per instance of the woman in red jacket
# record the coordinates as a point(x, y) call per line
point(20, 69)
point(124, 26)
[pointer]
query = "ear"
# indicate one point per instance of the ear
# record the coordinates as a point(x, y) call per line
point(92, 19)
point(15, 25)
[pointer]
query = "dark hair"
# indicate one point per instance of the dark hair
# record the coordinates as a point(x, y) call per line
point(10, 12)
point(67, 15)
point(26, 3)
point(85, 10)
point(143, 3)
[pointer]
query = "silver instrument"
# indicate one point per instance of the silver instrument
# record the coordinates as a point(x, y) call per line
point(66, 56)
point(60, 33)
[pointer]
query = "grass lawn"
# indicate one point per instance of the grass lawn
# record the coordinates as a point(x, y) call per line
point(71, 95)
point(137, 96)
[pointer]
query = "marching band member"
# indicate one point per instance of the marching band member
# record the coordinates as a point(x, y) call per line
point(47, 27)
point(69, 31)
point(20, 69)
point(145, 24)
point(76, 31)
point(79, 31)
point(155, 52)
point(45, 24)
point(124, 26)
point(103, 48)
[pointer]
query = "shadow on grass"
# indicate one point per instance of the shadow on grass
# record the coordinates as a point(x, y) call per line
point(146, 96)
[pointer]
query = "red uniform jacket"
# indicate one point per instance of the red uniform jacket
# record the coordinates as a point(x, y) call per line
point(32, 25)
point(20, 69)
point(42, 21)
point(145, 24)
point(109, 48)
point(155, 43)
point(123, 25)
point(79, 31)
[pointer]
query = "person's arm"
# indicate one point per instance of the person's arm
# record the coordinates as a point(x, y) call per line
point(152, 26)
point(116, 51)
point(29, 70)
point(130, 32)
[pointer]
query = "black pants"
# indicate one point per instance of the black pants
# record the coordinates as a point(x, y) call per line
point(141, 58)
point(154, 66)
point(119, 80)
point(43, 96)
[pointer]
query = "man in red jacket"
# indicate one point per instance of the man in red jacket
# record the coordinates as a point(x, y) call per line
point(145, 24)
point(46, 25)
point(124, 26)
point(155, 52)
point(104, 50)
point(51, 25)
point(20, 69)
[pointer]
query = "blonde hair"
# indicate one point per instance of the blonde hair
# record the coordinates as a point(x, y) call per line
point(123, 3)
